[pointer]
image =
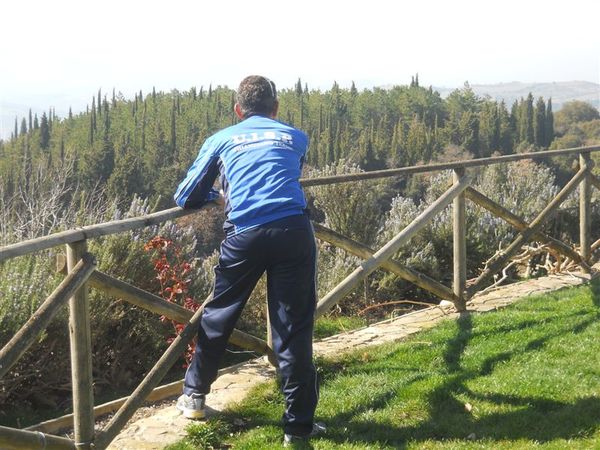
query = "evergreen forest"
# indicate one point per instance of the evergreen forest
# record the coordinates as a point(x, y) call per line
point(124, 157)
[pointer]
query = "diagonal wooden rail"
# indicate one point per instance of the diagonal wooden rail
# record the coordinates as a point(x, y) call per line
point(82, 275)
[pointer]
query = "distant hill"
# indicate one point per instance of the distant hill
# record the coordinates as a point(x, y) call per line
point(560, 92)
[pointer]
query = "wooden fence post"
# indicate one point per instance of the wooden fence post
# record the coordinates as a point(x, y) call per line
point(585, 212)
point(81, 355)
point(460, 244)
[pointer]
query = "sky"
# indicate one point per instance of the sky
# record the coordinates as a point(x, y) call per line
point(59, 53)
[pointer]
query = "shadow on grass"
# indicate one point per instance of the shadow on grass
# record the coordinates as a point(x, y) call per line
point(534, 418)
point(516, 417)
point(595, 288)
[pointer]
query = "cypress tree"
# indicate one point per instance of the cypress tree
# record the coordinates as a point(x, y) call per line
point(528, 125)
point(16, 132)
point(70, 113)
point(299, 87)
point(30, 121)
point(549, 126)
point(23, 126)
point(99, 102)
point(36, 123)
point(540, 123)
point(44, 132)
point(173, 131)
point(93, 114)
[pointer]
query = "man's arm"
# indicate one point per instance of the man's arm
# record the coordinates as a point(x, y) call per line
point(196, 189)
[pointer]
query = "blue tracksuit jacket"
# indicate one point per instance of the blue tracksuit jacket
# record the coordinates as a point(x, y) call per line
point(260, 162)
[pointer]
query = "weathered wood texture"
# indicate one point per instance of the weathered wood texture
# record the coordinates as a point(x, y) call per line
point(94, 231)
point(459, 242)
point(585, 210)
point(103, 229)
point(151, 380)
point(160, 393)
point(365, 252)
point(81, 354)
point(388, 250)
point(12, 439)
point(374, 174)
point(498, 263)
point(38, 322)
point(520, 225)
point(155, 304)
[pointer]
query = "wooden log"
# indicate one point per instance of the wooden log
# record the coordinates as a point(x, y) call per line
point(38, 322)
point(94, 231)
point(388, 250)
point(160, 393)
point(81, 355)
point(498, 263)
point(151, 380)
point(365, 252)
point(585, 210)
point(155, 304)
point(12, 439)
point(459, 234)
point(520, 225)
point(91, 231)
point(464, 164)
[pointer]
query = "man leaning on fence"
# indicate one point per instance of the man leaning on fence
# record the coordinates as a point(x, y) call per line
point(259, 161)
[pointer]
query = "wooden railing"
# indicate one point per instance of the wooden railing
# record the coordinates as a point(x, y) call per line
point(82, 274)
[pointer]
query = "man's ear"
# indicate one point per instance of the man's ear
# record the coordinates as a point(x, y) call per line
point(275, 109)
point(238, 111)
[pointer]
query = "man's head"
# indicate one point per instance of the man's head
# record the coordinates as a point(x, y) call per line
point(256, 96)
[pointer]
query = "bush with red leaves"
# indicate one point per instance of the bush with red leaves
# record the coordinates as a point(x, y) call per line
point(171, 273)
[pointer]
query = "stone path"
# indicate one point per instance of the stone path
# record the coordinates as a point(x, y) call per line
point(165, 425)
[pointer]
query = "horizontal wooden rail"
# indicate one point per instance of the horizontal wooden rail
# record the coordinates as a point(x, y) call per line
point(94, 231)
point(160, 393)
point(411, 170)
point(12, 439)
point(406, 273)
point(520, 225)
point(157, 305)
point(118, 226)
point(38, 322)
point(388, 250)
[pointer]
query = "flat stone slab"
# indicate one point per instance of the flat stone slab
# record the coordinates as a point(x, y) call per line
point(164, 425)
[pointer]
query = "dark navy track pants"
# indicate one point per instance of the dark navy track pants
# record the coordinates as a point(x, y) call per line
point(286, 250)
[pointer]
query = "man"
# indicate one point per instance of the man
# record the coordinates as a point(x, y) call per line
point(267, 229)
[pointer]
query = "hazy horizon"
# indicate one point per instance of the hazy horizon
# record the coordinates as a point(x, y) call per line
point(58, 54)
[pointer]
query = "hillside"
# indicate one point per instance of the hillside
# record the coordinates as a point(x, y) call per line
point(560, 92)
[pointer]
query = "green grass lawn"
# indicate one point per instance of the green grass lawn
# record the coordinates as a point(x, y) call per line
point(527, 376)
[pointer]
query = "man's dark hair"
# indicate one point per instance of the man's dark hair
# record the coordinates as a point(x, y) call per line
point(256, 95)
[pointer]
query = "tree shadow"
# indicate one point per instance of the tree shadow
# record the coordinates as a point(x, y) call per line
point(533, 418)
point(595, 288)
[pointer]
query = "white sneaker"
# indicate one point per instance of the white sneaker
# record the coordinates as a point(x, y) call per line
point(192, 406)
point(291, 439)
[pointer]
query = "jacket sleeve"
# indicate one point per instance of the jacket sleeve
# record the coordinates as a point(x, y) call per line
point(196, 189)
